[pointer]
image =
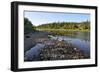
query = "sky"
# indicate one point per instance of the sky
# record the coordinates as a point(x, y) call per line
point(38, 18)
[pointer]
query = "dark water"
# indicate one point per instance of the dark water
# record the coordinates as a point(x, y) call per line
point(79, 39)
point(33, 53)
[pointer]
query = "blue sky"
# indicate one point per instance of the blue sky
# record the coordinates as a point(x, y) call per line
point(38, 18)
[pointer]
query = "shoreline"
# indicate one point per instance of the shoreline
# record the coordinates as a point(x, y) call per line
point(63, 30)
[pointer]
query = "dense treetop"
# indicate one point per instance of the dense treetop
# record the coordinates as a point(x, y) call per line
point(28, 26)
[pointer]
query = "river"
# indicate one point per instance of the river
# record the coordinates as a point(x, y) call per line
point(79, 39)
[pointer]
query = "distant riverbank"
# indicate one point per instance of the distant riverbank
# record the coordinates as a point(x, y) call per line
point(63, 31)
point(86, 30)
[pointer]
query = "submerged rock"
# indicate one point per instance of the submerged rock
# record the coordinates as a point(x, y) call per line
point(33, 52)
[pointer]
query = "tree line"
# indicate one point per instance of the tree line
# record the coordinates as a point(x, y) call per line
point(66, 25)
point(28, 26)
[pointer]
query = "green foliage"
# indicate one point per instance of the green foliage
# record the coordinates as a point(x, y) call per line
point(66, 26)
point(28, 26)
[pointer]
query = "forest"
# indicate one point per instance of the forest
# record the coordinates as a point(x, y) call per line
point(28, 26)
point(68, 26)
point(82, 26)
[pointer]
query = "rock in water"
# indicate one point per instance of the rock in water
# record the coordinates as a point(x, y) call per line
point(75, 48)
point(33, 52)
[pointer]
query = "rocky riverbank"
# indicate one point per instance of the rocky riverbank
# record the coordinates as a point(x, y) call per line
point(30, 39)
point(61, 50)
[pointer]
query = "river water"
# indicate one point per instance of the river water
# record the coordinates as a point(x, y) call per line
point(78, 39)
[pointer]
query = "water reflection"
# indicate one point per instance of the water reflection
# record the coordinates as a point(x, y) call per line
point(79, 39)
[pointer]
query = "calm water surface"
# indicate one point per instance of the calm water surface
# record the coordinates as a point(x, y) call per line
point(79, 39)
